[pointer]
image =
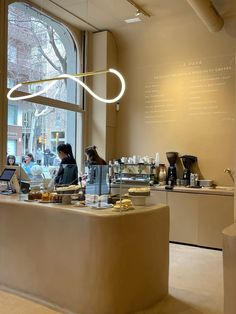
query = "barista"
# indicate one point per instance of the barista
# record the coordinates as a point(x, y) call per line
point(94, 172)
point(92, 156)
point(68, 170)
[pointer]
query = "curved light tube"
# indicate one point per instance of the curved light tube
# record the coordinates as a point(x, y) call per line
point(44, 90)
point(74, 78)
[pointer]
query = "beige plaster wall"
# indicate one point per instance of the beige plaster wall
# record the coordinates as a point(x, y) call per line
point(180, 94)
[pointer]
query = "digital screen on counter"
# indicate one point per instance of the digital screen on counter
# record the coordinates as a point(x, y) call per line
point(7, 175)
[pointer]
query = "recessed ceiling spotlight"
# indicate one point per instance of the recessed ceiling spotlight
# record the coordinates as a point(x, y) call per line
point(138, 12)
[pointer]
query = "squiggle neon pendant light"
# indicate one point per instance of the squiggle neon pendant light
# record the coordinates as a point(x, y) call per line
point(74, 78)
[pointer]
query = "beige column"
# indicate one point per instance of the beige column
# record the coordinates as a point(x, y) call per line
point(101, 119)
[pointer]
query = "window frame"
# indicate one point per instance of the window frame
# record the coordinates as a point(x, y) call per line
point(46, 100)
point(77, 108)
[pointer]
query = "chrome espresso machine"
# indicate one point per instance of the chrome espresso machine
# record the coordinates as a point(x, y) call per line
point(139, 173)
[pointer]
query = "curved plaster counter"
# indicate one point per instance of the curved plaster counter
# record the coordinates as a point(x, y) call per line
point(85, 260)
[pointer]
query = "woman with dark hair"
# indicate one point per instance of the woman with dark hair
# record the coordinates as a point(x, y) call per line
point(92, 156)
point(68, 171)
point(97, 172)
point(28, 164)
point(11, 160)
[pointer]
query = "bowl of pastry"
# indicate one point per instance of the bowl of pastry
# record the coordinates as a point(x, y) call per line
point(139, 191)
point(138, 200)
point(138, 195)
point(70, 189)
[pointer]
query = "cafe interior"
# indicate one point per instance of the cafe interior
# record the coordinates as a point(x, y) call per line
point(149, 87)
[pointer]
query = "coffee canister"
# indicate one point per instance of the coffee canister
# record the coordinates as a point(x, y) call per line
point(193, 179)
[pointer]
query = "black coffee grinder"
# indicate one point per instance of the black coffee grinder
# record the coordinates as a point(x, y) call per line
point(171, 173)
point(188, 161)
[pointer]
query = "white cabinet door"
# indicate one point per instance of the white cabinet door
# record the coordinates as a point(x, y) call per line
point(215, 213)
point(183, 217)
point(157, 197)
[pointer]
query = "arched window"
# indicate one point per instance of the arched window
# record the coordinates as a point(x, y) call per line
point(40, 47)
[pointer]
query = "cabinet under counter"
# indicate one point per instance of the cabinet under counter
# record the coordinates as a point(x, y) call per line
point(197, 216)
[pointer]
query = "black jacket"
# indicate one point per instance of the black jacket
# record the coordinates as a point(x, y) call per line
point(68, 172)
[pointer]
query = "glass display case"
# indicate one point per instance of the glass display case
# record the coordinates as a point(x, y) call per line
point(138, 174)
point(98, 186)
point(93, 189)
point(131, 181)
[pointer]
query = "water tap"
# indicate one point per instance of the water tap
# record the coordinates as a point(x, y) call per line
point(229, 171)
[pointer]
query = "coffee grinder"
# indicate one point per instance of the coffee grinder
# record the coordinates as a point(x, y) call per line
point(188, 161)
point(171, 173)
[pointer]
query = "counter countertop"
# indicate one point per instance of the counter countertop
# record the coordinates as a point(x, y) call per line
point(14, 199)
point(218, 190)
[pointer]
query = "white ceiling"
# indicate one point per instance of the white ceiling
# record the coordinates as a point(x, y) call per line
point(96, 15)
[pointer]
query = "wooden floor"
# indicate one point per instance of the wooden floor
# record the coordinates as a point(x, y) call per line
point(12, 304)
point(196, 286)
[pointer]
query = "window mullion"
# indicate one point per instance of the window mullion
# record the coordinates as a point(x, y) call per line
point(50, 102)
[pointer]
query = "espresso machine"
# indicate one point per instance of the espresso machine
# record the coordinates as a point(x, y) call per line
point(188, 161)
point(171, 173)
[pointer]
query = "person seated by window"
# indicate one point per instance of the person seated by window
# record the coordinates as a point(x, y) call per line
point(11, 160)
point(68, 170)
point(28, 164)
point(92, 156)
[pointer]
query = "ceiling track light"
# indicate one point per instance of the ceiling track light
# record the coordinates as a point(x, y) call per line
point(139, 9)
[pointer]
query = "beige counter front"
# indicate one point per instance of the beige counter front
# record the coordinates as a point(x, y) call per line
point(83, 260)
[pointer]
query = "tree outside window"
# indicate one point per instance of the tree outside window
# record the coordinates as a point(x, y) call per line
point(38, 48)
